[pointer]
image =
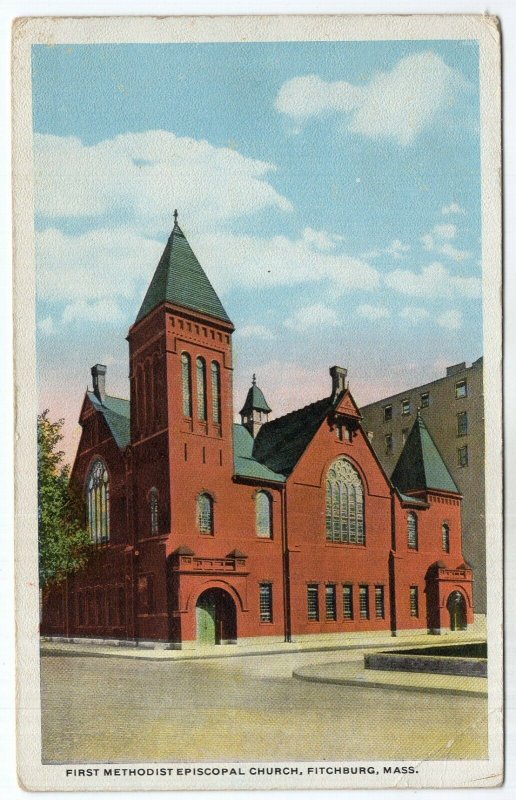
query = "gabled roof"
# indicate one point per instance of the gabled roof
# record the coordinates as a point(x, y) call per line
point(116, 412)
point(246, 465)
point(281, 442)
point(420, 465)
point(180, 279)
point(255, 400)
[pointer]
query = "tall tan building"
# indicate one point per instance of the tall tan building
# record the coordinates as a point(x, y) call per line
point(453, 409)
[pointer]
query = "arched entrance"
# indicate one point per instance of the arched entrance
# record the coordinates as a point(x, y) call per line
point(456, 605)
point(215, 618)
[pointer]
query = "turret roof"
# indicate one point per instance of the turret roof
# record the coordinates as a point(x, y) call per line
point(420, 465)
point(255, 400)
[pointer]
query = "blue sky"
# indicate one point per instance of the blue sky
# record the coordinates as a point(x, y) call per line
point(330, 190)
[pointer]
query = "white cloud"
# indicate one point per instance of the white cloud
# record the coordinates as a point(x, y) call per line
point(373, 312)
point(414, 314)
point(433, 281)
point(452, 320)
point(453, 208)
point(398, 104)
point(447, 231)
point(396, 249)
point(322, 240)
point(452, 252)
point(146, 175)
point(103, 311)
point(434, 241)
point(255, 332)
point(304, 319)
point(47, 326)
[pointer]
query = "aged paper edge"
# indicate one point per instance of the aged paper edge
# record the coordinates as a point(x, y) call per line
point(28, 31)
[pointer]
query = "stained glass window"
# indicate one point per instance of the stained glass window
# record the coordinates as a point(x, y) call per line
point(98, 502)
point(344, 504)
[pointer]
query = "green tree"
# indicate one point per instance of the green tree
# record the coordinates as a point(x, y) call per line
point(64, 544)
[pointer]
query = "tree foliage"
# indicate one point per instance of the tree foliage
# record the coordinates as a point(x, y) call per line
point(64, 544)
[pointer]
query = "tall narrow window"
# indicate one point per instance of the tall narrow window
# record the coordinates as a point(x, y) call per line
point(461, 388)
point(462, 423)
point(98, 502)
point(445, 533)
point(215, 392)
point(387, 413)
point(414, 602)
point(412, 531)
point(265, 602)
point(331, 603)
point(379, 602)
point(425, 400)
point(344, 504)
point(201, 389)
point(263, 515)
point(462, 453)
point(389, 443)
point(153, 496)
point(205, 514)
point(186, 379)
point(313, 602)
point(363, 596)
point(347, 600)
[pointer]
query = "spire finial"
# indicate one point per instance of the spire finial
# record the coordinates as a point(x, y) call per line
point(254, 379)
point(175, 216)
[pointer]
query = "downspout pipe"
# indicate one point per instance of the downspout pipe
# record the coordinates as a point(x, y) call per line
point(286, 568)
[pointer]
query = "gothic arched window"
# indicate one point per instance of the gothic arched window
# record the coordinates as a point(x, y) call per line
point(445, 534)
point(186, 380)
point(205, 513)
point(215, 392)
point(201, 388)
point(344, 504)
point(263, 506)
point(97, 489)
point(153, 497)
point(412, 531)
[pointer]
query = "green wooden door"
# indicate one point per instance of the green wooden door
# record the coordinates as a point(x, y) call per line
point(206, 620)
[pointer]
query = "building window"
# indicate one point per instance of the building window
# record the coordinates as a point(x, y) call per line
point(404, 435)
point(263, 507)
point(265, 602)
point(186, 379)
point(153, 496)
point(414, 602)
point(387, 413)
point(379, 603)
point(424, 401)
point(461, 388)
point(344, 504)
point(205, 513)
point(445, 534)
point(405, 407)
point(462, 423)
point(411, 531)
point(215, 392)
point(363, 596)
point(463, 456)
point(347, 601)
point(389, 443)
point(313, 602)
point(201, 389)
point(331, 603)
point(98, 502)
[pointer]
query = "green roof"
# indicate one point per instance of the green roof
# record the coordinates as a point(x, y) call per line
point(180, 279)
point(280, 443)
point(420, 465)
point(255, 400)
point(246, 466)
point(116, 412)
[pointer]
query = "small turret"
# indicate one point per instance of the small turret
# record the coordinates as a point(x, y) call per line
point(255, 410)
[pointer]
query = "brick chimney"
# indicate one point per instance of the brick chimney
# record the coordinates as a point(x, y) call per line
point(338, 382)
point(98, 373)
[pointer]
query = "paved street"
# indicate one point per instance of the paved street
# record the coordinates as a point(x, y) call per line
point(249, 708)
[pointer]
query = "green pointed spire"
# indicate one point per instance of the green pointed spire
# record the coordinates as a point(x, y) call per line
point(420, 465)
point(255, 400)
point(180, 279)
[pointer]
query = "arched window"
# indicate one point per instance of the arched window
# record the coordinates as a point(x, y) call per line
point(205, 513)
point(412, 531)
point(215, 392)
point(445, 533)
point(344, 504)
point(97, 489)
point(263, 507)
point(186, 380)
point(201, 388)
point(153, 497)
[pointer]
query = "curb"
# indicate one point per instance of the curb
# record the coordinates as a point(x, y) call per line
point(402, 687)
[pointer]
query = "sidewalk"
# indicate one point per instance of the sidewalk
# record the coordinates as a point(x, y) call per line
point(346, 674)
point(144, 652)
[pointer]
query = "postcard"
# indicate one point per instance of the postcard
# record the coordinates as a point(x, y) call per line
point(258, 402)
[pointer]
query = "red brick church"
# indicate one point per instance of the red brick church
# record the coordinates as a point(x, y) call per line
point(210, 532)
